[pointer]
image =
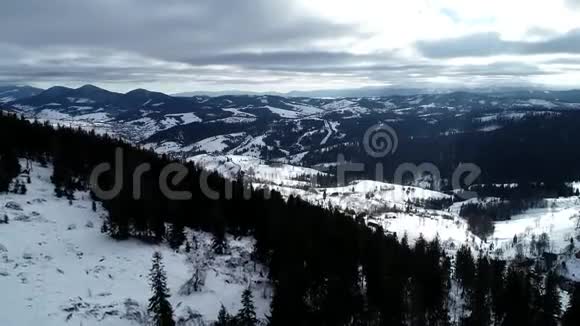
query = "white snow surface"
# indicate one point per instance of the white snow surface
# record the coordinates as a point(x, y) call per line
point(57, 268)
point(218, 144)
point(187, 118)
point(251, 146)
point(169, 147)
point(6, 99)
point(257, 170)
point(305, 109)
point(283, 112)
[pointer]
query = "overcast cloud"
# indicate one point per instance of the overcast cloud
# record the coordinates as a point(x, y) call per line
point(489, 44)
point(282, 45)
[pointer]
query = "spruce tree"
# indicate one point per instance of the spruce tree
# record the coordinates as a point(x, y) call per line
point(572, 315)
point(159, 307)
point(497, 289)
point(16, 188)
point(176, 236)
point(465, 268)
point(479, 300)
point(224, 319)
point(518, 301)
point(219, 243)
point(247, 314)
point(551, 307)
point(9, 168)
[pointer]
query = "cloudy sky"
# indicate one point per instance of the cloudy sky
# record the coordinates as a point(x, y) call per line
point(282, 45)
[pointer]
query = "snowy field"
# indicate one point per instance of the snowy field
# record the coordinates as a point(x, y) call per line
point(372, 199)
point(57, 268)
point(256, 169)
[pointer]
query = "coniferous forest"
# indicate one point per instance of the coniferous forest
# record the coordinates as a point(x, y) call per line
point(327, 268)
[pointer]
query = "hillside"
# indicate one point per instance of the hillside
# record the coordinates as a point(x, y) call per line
point(401, 210)
point(58, 268)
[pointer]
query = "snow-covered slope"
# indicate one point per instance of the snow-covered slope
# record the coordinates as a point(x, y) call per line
point(256, 170)
point(393, 207)
point(388, 205)
point(12, 93)
point(57, 268)
point(381, 203)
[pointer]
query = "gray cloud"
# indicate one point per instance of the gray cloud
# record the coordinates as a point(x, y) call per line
point(259, 70)
point(498, 69)
point(489, 44)
point(274, 58)
point(113, 40)
point(226, 42)
point(170, 30)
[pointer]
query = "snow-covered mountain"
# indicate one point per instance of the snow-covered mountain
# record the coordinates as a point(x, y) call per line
point(269, 127)
point(13, 93)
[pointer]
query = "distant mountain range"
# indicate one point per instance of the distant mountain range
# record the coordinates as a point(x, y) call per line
point(296, 129)
point(329, 93)
point(12, 93)
point(518, 125)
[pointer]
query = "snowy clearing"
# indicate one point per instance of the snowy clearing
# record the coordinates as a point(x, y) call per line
point(56, 267)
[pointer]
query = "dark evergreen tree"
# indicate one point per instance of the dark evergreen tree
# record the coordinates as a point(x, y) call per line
point(219, 240)
point(223, 319)
point(479, 300)
point(247, 314)
point(497, 290)
point(516, 295)
point(572, 315)
point(159, 307)
point(550, 306)
point(105, 227)
point(465, 268)
point(58, 192)
point(176, 235)
point(9, 168)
